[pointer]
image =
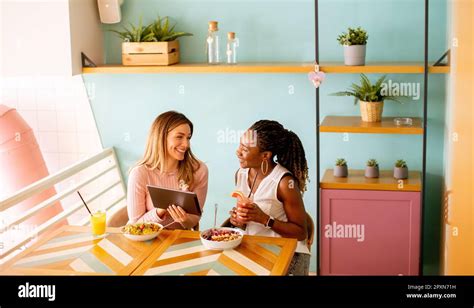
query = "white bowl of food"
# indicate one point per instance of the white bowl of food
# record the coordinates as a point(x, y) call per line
point(221, 238)
point(142, 231)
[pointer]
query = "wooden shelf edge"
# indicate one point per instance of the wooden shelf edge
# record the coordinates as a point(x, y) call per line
point(356, 181)
point(267, 67)
point(384, 69)
point(353, 124)
point(374, 187)
point(439, 69)
point(264, 67)
point(361, 130)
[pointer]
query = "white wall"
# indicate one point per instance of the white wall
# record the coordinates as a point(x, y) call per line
point(58, 111)
point(35, 39)
point(36, 70)
point(46, 37)
point(36, 78)
point(86, 33)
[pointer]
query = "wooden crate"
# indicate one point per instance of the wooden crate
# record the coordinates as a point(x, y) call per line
point(150, 53)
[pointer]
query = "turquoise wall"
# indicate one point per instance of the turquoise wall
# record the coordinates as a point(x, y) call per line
point(125, 105)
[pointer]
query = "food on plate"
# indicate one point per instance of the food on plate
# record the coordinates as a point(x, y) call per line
point(221, 235)
point(221, 238)
point(141, 228)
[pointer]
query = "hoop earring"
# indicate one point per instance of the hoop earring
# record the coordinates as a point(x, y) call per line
point(266, 167)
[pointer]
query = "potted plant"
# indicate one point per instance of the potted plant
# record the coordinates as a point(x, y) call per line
point(354, 42)
point(370, 97)
point(340, 170)
point(372, 169)
point(152, 44)
point(400, 171)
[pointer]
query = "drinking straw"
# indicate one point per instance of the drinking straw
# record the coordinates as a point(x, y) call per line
point(84, 202)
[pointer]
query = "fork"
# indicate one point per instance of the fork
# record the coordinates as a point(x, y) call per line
point(168, 224)
point(215, 214)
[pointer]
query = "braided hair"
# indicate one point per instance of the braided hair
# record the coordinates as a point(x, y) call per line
point(286, 146)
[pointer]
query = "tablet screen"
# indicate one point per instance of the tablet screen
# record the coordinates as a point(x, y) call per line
point(164, 197)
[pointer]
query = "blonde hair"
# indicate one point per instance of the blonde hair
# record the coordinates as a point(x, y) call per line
point(156, 150)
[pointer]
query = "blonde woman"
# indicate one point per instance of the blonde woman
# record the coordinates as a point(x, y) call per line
point(168, 162)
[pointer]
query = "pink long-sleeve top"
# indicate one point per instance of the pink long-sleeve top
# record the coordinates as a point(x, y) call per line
point(139, 205)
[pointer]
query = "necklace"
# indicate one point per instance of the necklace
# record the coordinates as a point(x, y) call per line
point(253, 183)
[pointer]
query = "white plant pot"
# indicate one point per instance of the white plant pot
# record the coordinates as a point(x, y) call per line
point(354, 55)
point(372, 172)
point(400, 173)
point(340, 171)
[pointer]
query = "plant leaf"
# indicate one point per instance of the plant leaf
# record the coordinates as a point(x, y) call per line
point(166, 25)
point(393, 98)
point(175, 36)
point(344, 93)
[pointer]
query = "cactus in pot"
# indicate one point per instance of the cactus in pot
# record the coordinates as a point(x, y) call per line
point(400, 171)
point(340, 170)
point(372, 169)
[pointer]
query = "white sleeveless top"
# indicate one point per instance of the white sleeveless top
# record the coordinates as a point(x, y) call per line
point(266, 198)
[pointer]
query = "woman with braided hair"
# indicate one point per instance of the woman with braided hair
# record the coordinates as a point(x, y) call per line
point(273, 174)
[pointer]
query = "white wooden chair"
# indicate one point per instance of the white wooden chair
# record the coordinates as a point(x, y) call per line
point(99, 173)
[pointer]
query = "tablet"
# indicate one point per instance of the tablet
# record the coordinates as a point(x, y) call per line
point(164, 197)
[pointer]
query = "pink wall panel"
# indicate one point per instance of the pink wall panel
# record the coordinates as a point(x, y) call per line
point(373, 232)
point(21, 164)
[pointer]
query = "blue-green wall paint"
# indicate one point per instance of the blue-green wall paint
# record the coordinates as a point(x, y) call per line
point(124, 105)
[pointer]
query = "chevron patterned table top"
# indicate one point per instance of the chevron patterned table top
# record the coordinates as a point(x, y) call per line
point(72, 250)
point(182, 253)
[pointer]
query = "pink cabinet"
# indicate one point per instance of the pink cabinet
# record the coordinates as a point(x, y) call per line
point(369, 232)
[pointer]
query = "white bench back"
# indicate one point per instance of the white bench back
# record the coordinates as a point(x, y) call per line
point(100, 182)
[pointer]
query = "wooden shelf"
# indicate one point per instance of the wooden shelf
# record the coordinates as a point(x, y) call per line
point(267, 67)
point(356, 180)
point(343, 124)
point(383, 68)
point(205, 68)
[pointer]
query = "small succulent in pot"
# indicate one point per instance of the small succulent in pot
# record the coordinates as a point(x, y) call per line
point(354, 42)
point(372, 169)
point(400, 171)
point(340, 170)
point(353, 36)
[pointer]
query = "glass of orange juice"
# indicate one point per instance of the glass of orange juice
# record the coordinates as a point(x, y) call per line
point(98, 223)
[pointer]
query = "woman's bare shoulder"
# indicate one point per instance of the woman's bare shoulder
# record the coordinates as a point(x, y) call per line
point(287, 186)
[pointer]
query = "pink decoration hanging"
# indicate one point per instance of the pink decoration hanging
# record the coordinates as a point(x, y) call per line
point(316, 77)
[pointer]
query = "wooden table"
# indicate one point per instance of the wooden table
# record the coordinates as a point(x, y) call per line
point(72, 250)
point(182, 253)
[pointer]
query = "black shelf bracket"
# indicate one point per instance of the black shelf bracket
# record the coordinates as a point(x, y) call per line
point(318, 157)
point(86, 61)
point(447, 56)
